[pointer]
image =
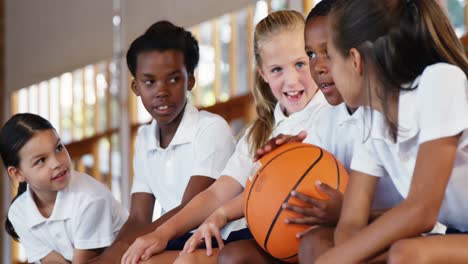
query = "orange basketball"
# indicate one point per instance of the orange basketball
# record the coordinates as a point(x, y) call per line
point(294, 166)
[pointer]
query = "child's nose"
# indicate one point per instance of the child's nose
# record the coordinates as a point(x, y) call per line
point(55, 162)
point(320, 66)
point(292, 79)
point(162, 92)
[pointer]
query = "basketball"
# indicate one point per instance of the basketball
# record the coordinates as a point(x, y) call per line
point(293, 166)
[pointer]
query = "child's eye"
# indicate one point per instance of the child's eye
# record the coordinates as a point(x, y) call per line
point(148, 82)
point(39, 161)
point(174, 79)
point(59, 148)
point(276, 70)
point(300, 65)
point(311, 54)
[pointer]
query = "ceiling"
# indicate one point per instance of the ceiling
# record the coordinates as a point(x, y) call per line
point(49, 37)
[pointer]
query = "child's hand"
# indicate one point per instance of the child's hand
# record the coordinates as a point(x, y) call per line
point(278, 141)
point(319, 212)
point(145, 246)
point(210, 228)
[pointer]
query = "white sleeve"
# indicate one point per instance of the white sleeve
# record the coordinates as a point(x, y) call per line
point(365, 159)
point(443, 102)
point(94, 224)
point(240, 165)
point(140, 183)
point(212, 148)
point(34, 247)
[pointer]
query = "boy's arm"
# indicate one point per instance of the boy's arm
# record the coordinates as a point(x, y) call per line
point(83, 255)
point(54, 257)
point(141, 213)
point(196, 185)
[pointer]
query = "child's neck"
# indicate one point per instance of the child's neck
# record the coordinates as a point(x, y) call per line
point(168, 131)
point(45, 202)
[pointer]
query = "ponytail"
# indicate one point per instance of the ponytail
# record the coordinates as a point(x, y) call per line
point(262, 127)
point(397, 40)
point(8, 226)
point(434, 21)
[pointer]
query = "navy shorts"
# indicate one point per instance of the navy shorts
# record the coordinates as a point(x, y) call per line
point(178, 244)
point(452, 231)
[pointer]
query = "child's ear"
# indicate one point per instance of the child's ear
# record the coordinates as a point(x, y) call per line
point(190, 82)
point(135, 87)
point(262, 74)
point(15, 174)
point(356, 60)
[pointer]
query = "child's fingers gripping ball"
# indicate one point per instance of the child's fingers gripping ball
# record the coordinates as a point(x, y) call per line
point(291, 167)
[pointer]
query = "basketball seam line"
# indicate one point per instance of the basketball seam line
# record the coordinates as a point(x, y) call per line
point(287, 197)
point(255, 179)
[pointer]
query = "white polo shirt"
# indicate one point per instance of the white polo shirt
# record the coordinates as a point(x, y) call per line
point(437, 108)
point(85, 216)
point(338, 133)
point(201, 146)
point(241, 163)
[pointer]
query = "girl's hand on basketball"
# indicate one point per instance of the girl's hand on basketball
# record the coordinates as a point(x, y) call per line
point(210, 228)
point(316, 212)
point(144, 247)
point(278, 141)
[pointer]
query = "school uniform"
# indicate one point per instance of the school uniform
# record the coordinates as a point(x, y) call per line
point(338, 133)
point(201, 146)
point(437, 107)
point(241, 165)
point(85, 216)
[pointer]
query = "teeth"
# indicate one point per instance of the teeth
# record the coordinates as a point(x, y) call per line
point(163, 107)
point(292, 93)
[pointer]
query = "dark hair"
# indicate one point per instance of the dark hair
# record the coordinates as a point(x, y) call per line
point(15, 133)
point(162, 36)
point(321, 9)
point(397, 40)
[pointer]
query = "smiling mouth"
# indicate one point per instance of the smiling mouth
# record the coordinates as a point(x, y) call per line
point(163, 109)
point(60, 175)
point(294, 94)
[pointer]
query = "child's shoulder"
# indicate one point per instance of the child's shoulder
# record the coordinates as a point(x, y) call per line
point(82, 184)
point(207, 119)
point(442, 69)
point(19, 208)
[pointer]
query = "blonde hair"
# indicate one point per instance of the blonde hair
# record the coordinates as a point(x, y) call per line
point(274, 24)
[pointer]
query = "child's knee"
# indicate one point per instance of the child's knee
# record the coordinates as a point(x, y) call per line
point(314, 243)
point(185, 259)
point(230, 255)
point(406, 251)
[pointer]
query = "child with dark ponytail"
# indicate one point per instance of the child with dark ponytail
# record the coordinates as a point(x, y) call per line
point(59, 215)
point(402, 62)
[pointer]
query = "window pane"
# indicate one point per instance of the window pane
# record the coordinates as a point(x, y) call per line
point(44, 100)
point(90, 100)
point(33, 102)
point(224, 35)
point(54, 104)
point(277, 5)
point(456, 13)
point(241, 53)
point(65, 106)
point(206, 68)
